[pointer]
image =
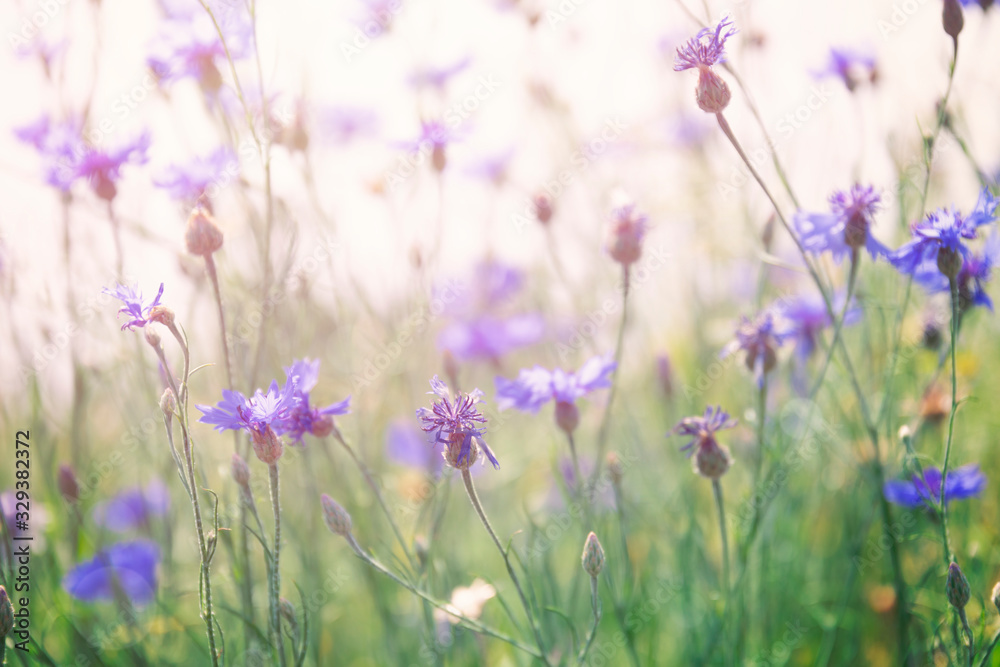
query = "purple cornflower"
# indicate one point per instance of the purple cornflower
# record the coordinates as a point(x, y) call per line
point(302, 418)
point(803, 317)
point(128, 566)
point(536, 386)
point(704, 50)
point(760, 339)
point(133, 508)
point(712, 460)
point(457, 424)
point(971, 279)
point(939, 238)
point(964, 482)
point(437, 77)
point(188, 182)
point(134, 306)
point(101, 167)
point(844, 230)
point(490, 338)
point(435, 137)
point(849, 65)
point(261, 416)
point(58, 144)
point(405, 444)
point(342, 124)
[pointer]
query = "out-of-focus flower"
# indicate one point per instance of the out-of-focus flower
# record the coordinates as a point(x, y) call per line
point(940, 237)
point(492, 168)
point(852, 66)
point(627, 230)
point(336, 517)
point(434, 137)
point(69, 487)
point(458, 424)
point(846, 228)
point(543, 207)
point(804, 316)
point(971, 278)
point(302, 418)
point(593, 556)
point(704, 50)
point(406, 444)
point(957, 588)
point(188, 182)
point(665, 375)
point(128, 566)
point(101, 167)
point(133, 508)
point(711, 459)
point(135, 307)
point(343, 124)
point(437, 77)
point(490, 338)
point(760, 339)
point(965, 482)
point(202, 235)
point(467, 601)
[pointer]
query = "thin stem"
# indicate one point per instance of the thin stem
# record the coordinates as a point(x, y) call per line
point(576, 466)
point(116, 232)
point(942, 505)
point(761, 414)
point(214, 277)
point(989, 649)
point(717, 489)
point(968, 634)
point(474, 497)
point(602, 434)
point(275, 570)
point(452, 611)
point(595, 604)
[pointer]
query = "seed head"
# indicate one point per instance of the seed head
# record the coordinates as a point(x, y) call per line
point(593, 555)
point(957, 587)
point(336, 517)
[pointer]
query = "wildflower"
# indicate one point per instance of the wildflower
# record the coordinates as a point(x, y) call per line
point(940, 237)
point(536, 386)
point(846, 228)
point(971, 279)
point(457, 423)
point(127, 566)
point(803, 317)
point(593, 555)
point(434, 136)
point(962, 483)
point(336, 517)
point(58, 144)
point(260, 416)
point(135, 307)
point(957, 587)
point(492, 168)
point(302, 418)
point(711, 460)
point(189, 182)
point(702, 52)
point(101, 167)
point(850, 65)
point(405, 444)
point(202, 236)
point(133, 508)
point(627, 230)
point(343, 124)
point(6, 614)
point(467, 601)
point(437, 77)
point(68, 486)
point(760, 339)
point(952, 18)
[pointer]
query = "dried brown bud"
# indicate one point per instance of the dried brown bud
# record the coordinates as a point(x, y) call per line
point(203, 236)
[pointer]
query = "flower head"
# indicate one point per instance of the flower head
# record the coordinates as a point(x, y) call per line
point(760, 339)
point(846, 228)
point(851, 66)
point(702, 52)
point(438, 77)
point(972, 276)
point(302, 418)
point(458, 424)
point(405, 444)
point(101, 167)
point(711, 459)
point(189, 182)
point(128, 566)
point(260, 416)
point(627, 229)
point(964, 482)
point(59, 145)
point(805, 316)
point(135, 307)
point(133, 508)
point(941, 236)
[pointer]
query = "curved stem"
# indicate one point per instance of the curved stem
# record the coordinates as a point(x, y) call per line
point(275, 569)
point(474, 497)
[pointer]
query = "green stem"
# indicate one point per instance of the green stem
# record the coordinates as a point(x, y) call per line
point(717, 490)
point(989, 649)
point(474, 497)
point(942, 504)
point(275, 562)
point(968, 634)
point(602, 433)
point(595, 604)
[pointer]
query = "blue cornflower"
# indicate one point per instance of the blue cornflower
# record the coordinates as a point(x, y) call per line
point(760, 338)
point(302, 418)
point(803, 317)
point(940, 238)
point(134, 306)
point(128, 566)
point(253, 415)
point(458, 424)
point(846, 228)
point(971, 279)
point(964, 482)
point(712, 460)
point(133, 508)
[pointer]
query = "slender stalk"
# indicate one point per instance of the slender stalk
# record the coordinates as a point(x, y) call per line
point(116, 232)
point(474, 497)
point(595, 604)
point(942, 504)
point(968, 634)
point(275, 560)
point(214, 277)
point(761, 413)
point(576, 466)
point(602, 433)
point(717, 490)
point(989, 649)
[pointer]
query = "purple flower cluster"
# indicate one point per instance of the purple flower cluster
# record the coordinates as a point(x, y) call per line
point(803, 317)
point(457, 424)
point(965, 482)
point(852, 66)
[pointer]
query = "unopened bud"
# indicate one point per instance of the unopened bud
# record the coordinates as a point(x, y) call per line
point(162, 315)
point(957, 587)
point(203, 236)
point(615, 468)
point(438, 158)
point(593, 555)
point(712, 460)
point(627, 229)
point(267, 445)
point(322, 427)
point(6, 614)
point(68, 486)
point(543, 208)
point(152, 337)
point(287, 611)
point(952, 18)
point(949, 262)
point(712, 92)
point(241, 471)
point(336, 517)
point(168, 402)
point(567, 416)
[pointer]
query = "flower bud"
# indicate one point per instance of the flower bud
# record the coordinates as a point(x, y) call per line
point(712, 92)
point(712, 460)
point(438, 158)
point(627, 230)
point(957, 587)
point(543, 207)
point(168, 402)
point(665, 375)
point(336, 517)
point(203, 236)
point(241, 471)
point(287, 611)
point(68, 486)
point(322, 427)
point(267, 445)
point(453, 451)
point(567, 416)
point(615, 468)
point(949, 262)
point(593, 555)
point(162, 315)
point(152, 337)
point(952, 18)
point(996, 596)
point(6, 614)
